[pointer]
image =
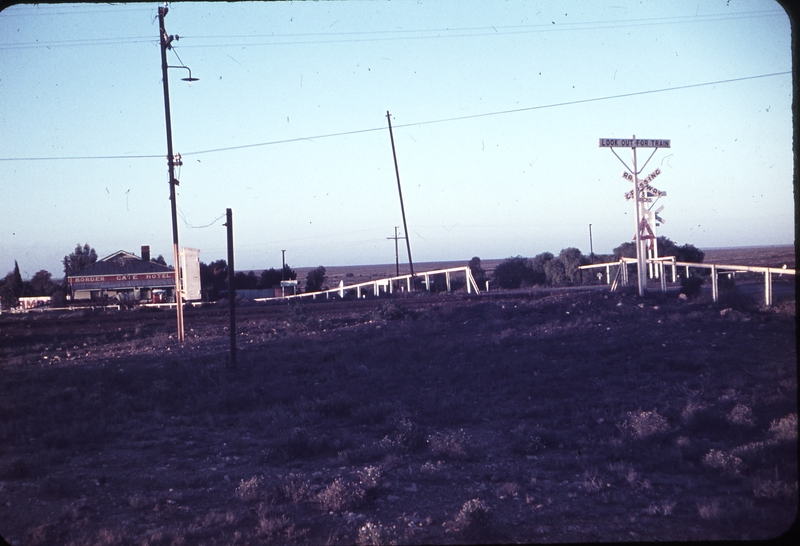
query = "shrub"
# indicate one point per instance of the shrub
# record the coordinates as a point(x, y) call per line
point(512, 272)
point(785, 429)
point(741, 415)
point(709, 510)
point(691, 286)
point(372, 534)
point(389, 310)
point(249, 490)
point(642, 424)
point(728, 463)
point(451, 445)
point(473, 518)
point(773, 489)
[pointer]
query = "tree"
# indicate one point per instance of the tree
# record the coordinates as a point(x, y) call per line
point(666, 247)
point(538, 264)
point(213, 278)
point(625, 250)
point(272, 277)
point(477, 271)
point(80, 258)
point(245, 281)
point(160, 260)
point(556, 273)
point(11, 289)
point(572, 259)
point(690, 253)
point(315, 279)
point(41, 283)
point(512, 272)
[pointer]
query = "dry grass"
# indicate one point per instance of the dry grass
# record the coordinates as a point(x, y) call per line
point(380, 428)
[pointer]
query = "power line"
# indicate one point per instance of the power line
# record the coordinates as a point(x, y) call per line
point(502, 112)
point(428, 122)
point(384, 35)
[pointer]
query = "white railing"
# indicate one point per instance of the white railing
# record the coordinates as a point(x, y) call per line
point(622, 273)
point(387, 285)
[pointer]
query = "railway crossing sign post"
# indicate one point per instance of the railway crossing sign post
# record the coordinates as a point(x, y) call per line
point(641, 189)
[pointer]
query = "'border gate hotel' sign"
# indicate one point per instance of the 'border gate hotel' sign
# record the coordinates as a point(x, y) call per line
point(634, 143)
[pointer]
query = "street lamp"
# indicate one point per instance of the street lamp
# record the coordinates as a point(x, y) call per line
point(172, 160)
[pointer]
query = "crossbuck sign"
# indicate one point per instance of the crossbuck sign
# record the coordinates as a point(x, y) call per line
point(641, 193)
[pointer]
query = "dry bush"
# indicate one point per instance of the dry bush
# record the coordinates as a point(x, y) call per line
point(390, 311)
point(591, 483)
point(451, 445)
point(249, 490)
point(508, 490)
point(785, 429)
point(643, 424)
point(741, 415)
point(339, 495)
point(343, 493)
point(729, 395)
point(625, 471)
point(369, 480)
point(270, 525)
point(295, 488)
point(773, 489)
point(727, 462)
point(663, 508)
point(373, 534)
point(473, 518)
point(709, 509)
point(408, 437)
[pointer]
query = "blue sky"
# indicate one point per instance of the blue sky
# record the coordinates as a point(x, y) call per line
point(497, 109)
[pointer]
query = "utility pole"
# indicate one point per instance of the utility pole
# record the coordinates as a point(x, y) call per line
point(591, 247)
point(231, 287)
point(283, 264)
point(396, 251)
point(400, 191)
point(172, 160)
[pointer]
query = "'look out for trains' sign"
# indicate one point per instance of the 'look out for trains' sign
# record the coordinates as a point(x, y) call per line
point(634, 143)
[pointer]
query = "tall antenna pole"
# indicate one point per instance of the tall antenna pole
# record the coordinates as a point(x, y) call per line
point(400, 191)
point(165, 41)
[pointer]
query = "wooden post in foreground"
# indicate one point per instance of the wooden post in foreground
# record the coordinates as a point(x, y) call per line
point(231, 288)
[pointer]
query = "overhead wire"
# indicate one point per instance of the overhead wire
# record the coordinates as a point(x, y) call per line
point(416, 123)
point(397, 34)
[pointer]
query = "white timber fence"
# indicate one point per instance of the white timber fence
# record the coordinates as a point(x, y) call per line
point(387, 285)
point(621, 276)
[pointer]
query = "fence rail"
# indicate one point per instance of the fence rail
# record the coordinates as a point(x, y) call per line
point(662, 262)
point(387, 284)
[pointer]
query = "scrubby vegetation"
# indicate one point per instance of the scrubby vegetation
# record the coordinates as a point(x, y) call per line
point(533, 416)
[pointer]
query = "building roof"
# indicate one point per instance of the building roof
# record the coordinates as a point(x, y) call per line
point(122, 263)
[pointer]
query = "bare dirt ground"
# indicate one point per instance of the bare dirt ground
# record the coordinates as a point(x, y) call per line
point(525, 416)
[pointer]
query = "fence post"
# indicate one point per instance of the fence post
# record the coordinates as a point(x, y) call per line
point(768, 287)
point(714, 284)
